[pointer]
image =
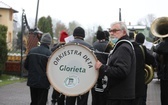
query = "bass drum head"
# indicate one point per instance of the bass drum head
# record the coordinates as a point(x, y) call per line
point(71, 69)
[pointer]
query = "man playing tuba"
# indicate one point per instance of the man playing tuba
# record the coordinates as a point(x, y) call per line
point(159, 28)
point(162, 57)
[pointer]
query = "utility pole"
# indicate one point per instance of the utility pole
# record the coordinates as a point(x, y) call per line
point(36, 14)
point(120, 14)
point(21, 41)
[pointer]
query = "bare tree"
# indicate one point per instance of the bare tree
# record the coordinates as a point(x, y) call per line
point(147, 20)
point(151, 18)
point(59, 27)
point(89, 36)
point(72, 25)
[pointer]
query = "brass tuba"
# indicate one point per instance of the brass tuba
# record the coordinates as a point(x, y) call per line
point(149, 73)
point(159, 27)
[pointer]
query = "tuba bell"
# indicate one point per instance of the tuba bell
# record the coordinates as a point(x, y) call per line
point(159, 27)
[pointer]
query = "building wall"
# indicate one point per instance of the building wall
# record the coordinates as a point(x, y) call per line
point(7, 20)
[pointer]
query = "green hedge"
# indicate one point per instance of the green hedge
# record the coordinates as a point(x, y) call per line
point(3, 48)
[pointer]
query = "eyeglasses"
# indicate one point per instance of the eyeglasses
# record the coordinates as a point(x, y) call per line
point(114, 30)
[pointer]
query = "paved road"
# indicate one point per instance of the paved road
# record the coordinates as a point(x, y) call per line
point(18, 94)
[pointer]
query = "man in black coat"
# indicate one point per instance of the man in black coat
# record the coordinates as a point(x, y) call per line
point(142, 57)
point(79, 35)
point(162, 51)
point(120, 68)
point(35, 63)
point(103, 47)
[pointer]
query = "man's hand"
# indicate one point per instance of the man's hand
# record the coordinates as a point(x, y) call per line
point(98, 65)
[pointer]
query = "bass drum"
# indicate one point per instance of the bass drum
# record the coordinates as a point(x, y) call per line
point(71, 69)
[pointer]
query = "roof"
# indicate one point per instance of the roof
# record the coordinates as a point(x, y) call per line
point(5, 6)
point(136, 27)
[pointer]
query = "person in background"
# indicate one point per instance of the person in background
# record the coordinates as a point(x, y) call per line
point(38, 34)
point(142, 58)
point(79, 35)
point(162, 52)
point(110, 44)
point(63, 35)
point(120, 68)
point(102, 46)
point(140, 66)
point(35, 63)
point(131, 36)
point(106, 35)
point(56, 96)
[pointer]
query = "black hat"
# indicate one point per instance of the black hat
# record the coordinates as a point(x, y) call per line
point(140, 38)
point(100, 35)
point(131, 35)
point(107, 35)
point(79, 31)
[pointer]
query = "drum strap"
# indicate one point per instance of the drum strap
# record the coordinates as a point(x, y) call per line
point(118, 43)
point(105, 78)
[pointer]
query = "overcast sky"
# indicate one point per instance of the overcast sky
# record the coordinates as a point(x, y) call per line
point(90, 13)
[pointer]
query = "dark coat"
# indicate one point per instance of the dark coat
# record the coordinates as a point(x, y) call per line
point(102, 46)
point(57, 46)
point(162, 50)
point(121, 69)
point(36, 63)
point(140, 72)
point(82, 42)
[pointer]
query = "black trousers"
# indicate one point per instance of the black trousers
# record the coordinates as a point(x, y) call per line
point(57, 97)
point(81, 100)
point(120, 102)
point(138, 101)
point(39, 96)
point(98, 98)
point(145, 96)
point(164, 92)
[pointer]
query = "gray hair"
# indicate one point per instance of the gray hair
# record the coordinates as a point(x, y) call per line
point(122, 26)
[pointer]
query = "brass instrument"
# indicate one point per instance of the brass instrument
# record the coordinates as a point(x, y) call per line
point(159, 27)
point(157, 41)
point(149, 74)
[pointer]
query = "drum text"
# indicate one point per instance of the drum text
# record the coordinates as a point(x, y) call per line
point(72, 69)
point(66, 53)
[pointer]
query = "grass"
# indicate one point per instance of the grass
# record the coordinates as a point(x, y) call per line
point(9, 79)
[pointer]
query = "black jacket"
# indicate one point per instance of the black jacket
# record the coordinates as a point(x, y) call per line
point(121, 71)
point(140, 72)
point(36, 63)
point(102, 46)
point(162, 50)
point(81, 41)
